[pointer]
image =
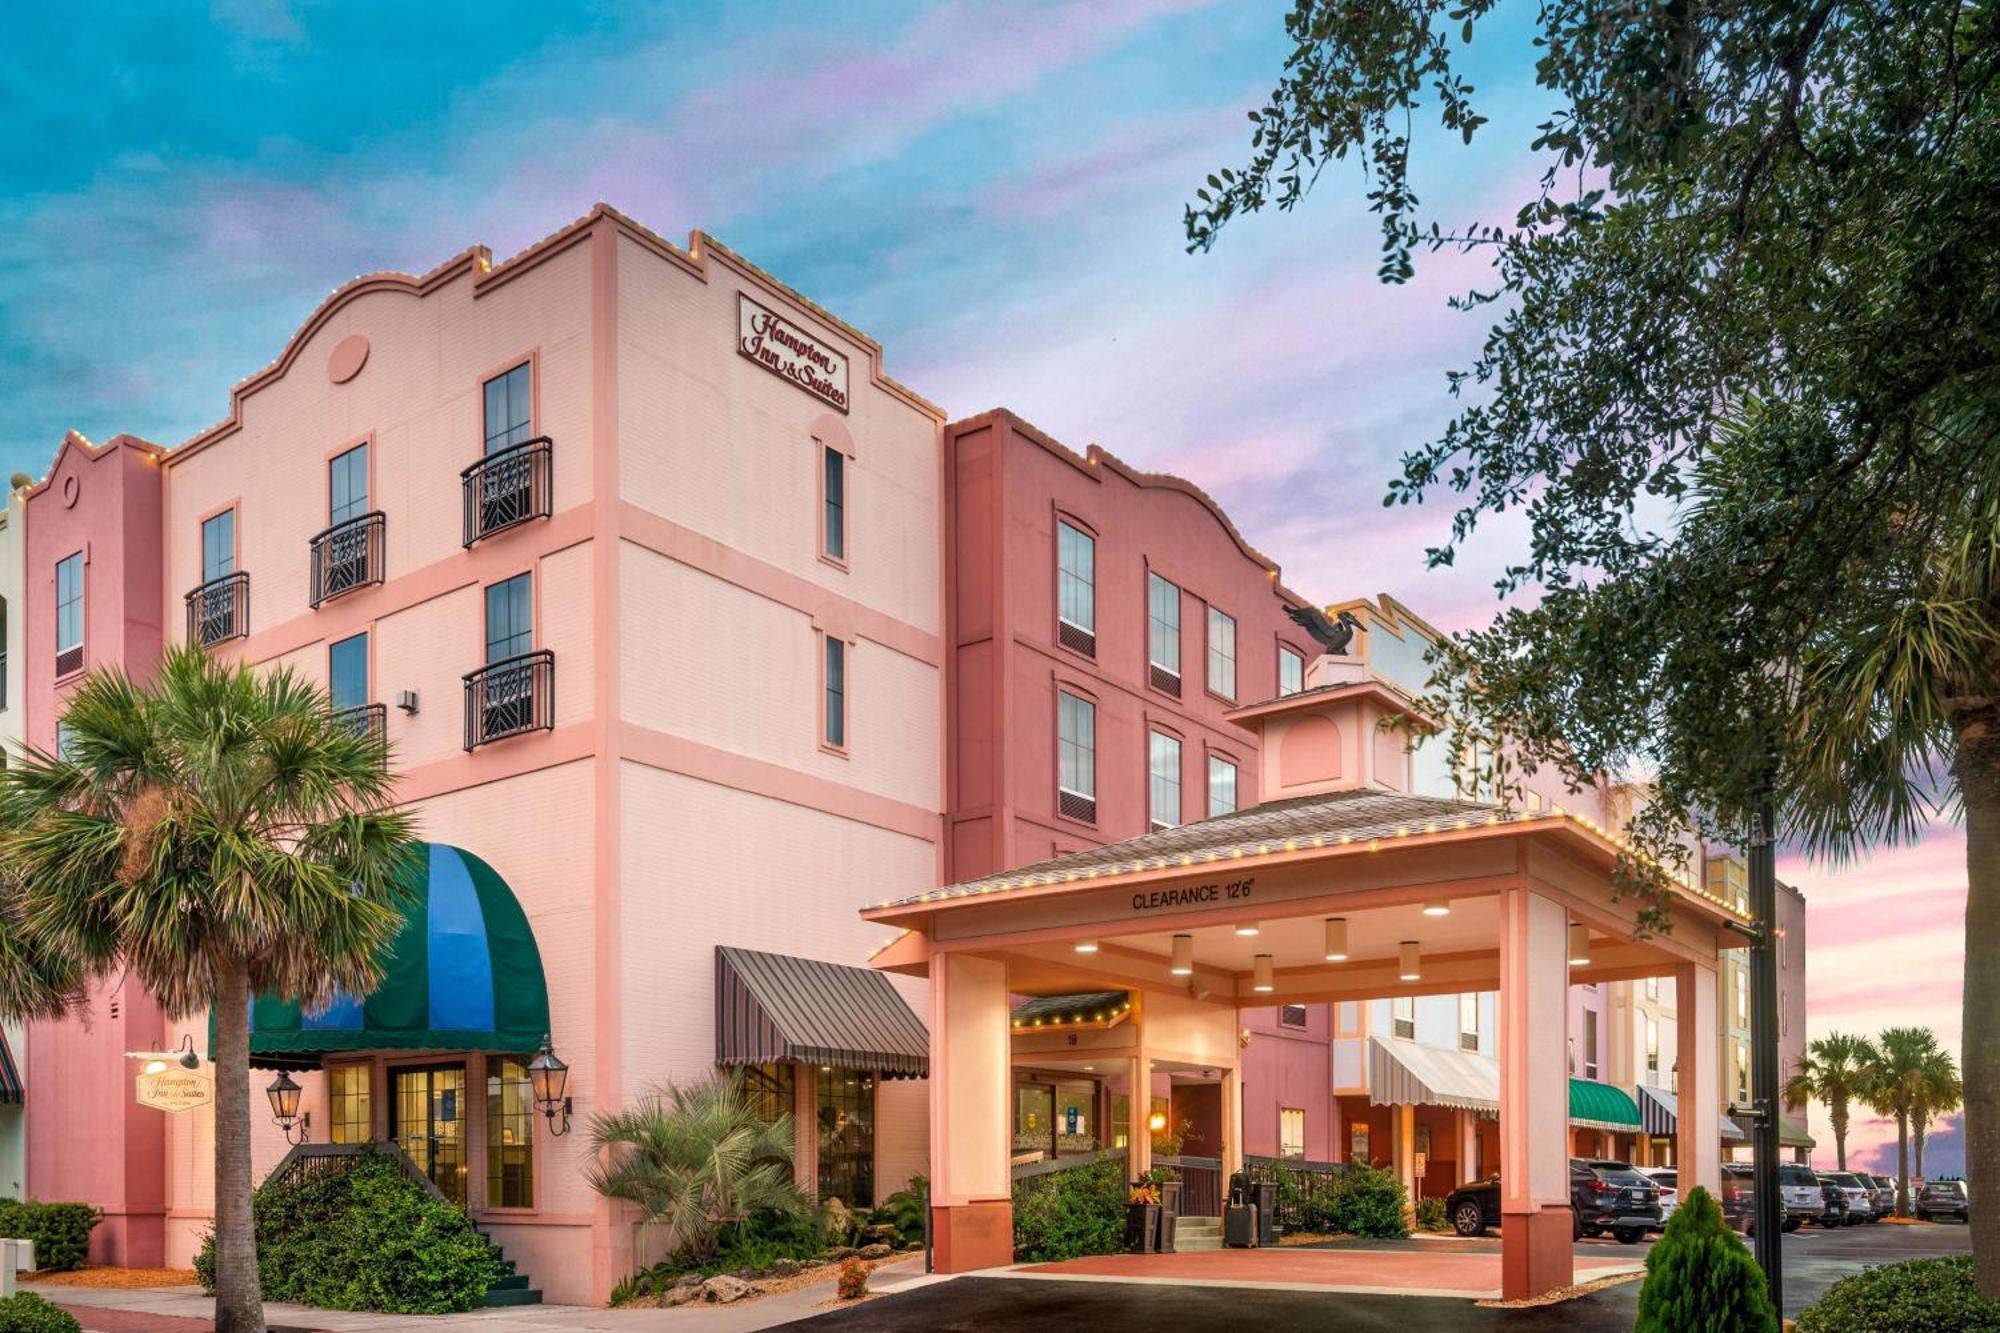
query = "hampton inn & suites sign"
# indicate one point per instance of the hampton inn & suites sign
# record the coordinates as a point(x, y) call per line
point(788, 351)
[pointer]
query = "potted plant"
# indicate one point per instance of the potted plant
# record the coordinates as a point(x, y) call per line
point(1167, 1180)
point(1142, 1218)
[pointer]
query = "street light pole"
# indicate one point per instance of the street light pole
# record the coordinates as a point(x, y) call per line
point(1764, 1084)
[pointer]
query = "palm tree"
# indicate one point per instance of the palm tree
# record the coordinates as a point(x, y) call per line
point(1835, 1072)
point(1895, 1077)
point(212, 833)
point(696, 1160)
point(1939, 1092)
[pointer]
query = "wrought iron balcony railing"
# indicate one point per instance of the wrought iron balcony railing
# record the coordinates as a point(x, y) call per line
point(347, 556)
point(369, 719)
point(219, 609)
point(506, 488)
point(511, 696)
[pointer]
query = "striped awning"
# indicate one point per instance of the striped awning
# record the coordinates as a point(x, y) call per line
point(1657, 1114)
point(771, 1007)
point(1407, 1073)
point(11, 1091)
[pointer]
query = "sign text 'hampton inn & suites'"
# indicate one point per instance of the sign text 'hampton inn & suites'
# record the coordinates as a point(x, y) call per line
point(785, 349)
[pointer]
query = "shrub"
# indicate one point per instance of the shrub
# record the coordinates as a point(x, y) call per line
point(853, 1280)
point(1701, 1277)
point(1920, 1296)
point(1368, 1202)
point(904, 1210)
point(1068, 1214)
point(25, 1312)
point(1430, 1215)
point(364, 1237)
point(61, 1231)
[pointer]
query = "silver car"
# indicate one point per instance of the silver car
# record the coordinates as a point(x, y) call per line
point(1885, 1196)
point(1800, 1188)
point(1860, 1196)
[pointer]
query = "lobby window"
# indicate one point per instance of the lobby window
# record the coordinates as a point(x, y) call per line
point(347, 1104)
point(218, 546)
point(770, 1089)
point(347, 673)
point(833, 725)
point(1468, 1022)
point(1221, 786)
point(1076, 757)
point(510, 408)
point(1076, 589)
point(1291, 671)
point(69, 614)
point(1357, 1143)
point(833, 504)
point(1221, 653)
point(1163, 634)
point(347, 485)
point(847, 1136)
point(1163, 772)
point(1652, 1051)
point(1291, 1132)
point(1291, 1015)
point(1403, 1016)
point(1590, 1043)
point(510, 618)
point(510, 1134)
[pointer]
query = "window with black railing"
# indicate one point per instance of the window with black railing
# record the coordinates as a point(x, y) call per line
point(369, 719)
point(219, 609)
point(509, 697)
point(347, 556)
point(507, 487)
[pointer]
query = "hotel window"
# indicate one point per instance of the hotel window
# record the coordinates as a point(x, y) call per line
point(1291, 1015)
point(1221, 653)
point(1739, 978)
point(1163, 634)
point(65, 740)
point(1076, 757)
point(833, 504)
point(510, 408)
point(1291, 671)
point(1652, 988)
point(1590, 1043)
point(1076, 589)
point(1742, 1053)
point(834, 729)
point(1163, 771)
point(1221, 786)
point(510, 1134)
point(770, 1089)
point(1572, 1056)
point(847, 1136)
point(347, 673)
point(218, 546)
point(347, 1102)
point(510, 618)
point(1468, 1022)
point(1357, 1143)
point(69, 614)
point(347, 485)
point(1403, 1016)
point(1291, 1132)
point(1652, 1051)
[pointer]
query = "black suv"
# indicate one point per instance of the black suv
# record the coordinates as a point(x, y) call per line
point(1944, 1197)
point(1603, 1195)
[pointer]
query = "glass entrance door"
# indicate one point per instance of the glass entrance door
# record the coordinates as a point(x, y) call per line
point(847, 1136)
point(429, 1109)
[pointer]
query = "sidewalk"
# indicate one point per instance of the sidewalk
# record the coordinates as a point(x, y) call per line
point(187, 1310)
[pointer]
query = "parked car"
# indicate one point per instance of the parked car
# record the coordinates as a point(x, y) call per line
point(1670, 1193)
point(1834, 1199)
point(1739, 1198)
point(1612, 1196)
point(1885, 1197)
point(1943, 1197)
point(1800, 1188)
point(1860, 1197)
point(1474, 1206)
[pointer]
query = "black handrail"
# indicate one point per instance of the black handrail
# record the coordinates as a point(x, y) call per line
point(219, 609)
point(506, 698)
point(370, 719)
point(306, 1157)
point(347, 556)
point(507, 487)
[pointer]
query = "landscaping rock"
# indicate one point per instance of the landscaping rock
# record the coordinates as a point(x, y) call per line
point(839, 1252)
point(682, 1295)
point(785, 1268)
point(874, 1252)
point(913, 1245)
point(723, 1289)
point(883, 1231)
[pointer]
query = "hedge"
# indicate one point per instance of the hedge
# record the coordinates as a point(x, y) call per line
point(1918, 1296)
point(25, 1312)
point(61, 1231)
point(364, 1237)
point(1068, 1214)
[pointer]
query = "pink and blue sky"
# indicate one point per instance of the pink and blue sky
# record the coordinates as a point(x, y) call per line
point(994, 192)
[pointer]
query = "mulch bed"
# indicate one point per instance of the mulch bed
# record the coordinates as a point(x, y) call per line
point(1561, 1294)
point(117, 1279)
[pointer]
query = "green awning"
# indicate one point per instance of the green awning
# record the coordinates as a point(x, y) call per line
point(1793, 1135)
point(463, 974)
point(1602, 1106)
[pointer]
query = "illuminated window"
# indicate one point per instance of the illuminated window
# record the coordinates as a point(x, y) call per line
point(770, 1088)
point(1652, 988)
point(347, 1097)
point(1221, 653)
point(1291, 1132)
point(510, 1134)
point(1357, 1143)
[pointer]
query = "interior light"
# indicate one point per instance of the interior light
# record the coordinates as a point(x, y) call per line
point(1437, 907)
point(1260, 974)
point(1246, 928)
point(1579, 944)
point(1411, 965)
point(1183, 964)
point(1336, 939)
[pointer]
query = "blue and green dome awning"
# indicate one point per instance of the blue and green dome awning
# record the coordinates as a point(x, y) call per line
point(463, 974)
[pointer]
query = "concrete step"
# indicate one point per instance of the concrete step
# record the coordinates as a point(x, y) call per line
point(1206, 1225)
point(1191, 1244)
point(511, 1296)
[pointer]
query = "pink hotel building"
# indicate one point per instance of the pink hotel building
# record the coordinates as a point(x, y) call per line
point(694, 633)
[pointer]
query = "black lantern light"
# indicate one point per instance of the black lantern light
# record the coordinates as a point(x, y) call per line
point(549, 1075)
point(284, 1095)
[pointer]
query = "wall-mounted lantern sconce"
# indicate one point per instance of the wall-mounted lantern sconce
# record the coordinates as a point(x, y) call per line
point(550, 1076)
point(284, 1095)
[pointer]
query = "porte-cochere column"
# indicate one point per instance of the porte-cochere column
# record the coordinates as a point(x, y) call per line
point(972, 1212)
point(1536, 1231)
point(1698, 1087)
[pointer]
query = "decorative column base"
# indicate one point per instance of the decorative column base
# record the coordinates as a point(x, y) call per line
point(1537, 1252)
point(971, 1236)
